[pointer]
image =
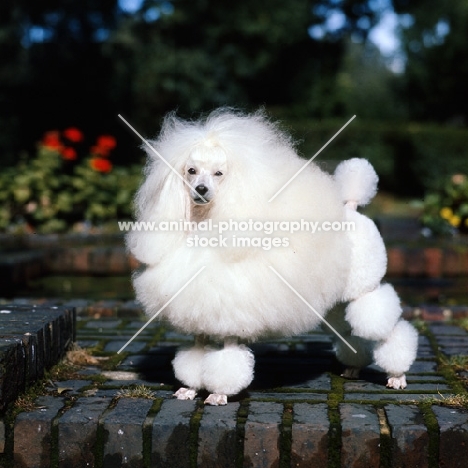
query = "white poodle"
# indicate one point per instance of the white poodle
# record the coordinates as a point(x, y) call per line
point(230, 265)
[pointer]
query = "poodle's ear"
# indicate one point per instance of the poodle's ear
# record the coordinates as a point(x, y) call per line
point(163, 196)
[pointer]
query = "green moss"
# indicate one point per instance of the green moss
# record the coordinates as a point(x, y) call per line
point(335, 397)
point(148, 432)
point(286, 436)
point(385, 440)
point(430, 421)
point(194, 428)
point(242, 415)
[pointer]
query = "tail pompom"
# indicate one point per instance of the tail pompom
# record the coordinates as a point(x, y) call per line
point(357, 181)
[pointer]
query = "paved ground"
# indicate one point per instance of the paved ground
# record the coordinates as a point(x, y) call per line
point(118, 410)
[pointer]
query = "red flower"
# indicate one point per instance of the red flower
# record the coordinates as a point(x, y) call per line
point(69, 153)
point(106, 141)
point(51, 140)
point(100, 165)
point(73, 134)
point(100, 151)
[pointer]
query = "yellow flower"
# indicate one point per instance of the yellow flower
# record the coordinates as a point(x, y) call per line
point(455, 220)
point(446, 213)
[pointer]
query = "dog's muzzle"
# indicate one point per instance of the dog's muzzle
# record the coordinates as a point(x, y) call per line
point(200, 195)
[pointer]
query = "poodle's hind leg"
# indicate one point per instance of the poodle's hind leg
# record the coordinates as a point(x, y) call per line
point(187, 366)
point(354, 359)
point(352, 351)
point(375, 316)
point(227, 371)
point(396, 354)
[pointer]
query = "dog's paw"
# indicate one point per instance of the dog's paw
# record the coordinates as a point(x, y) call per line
point(351, 373)
point(185, 394)
point(397, 382)
point(216, 399)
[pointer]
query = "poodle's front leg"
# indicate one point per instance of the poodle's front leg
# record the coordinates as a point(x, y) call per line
point(188, 368)
point(227, 371)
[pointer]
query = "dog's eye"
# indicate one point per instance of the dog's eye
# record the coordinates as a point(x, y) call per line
point(192, 171)
point(218, 173)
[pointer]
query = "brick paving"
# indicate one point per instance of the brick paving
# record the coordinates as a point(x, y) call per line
point(298, 411)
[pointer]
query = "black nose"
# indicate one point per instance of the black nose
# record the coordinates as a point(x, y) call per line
point(201, 189)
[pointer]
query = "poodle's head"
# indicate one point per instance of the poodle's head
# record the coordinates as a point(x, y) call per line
point(205, 169)
point(224, 166)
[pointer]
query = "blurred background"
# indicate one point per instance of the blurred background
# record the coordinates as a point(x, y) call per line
point(73, 65)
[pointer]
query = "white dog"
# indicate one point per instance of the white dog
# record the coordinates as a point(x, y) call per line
point(250, 275)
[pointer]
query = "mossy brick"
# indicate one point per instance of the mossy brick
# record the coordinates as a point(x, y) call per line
point(433, 258)
point(415, 262)
point(453, 436)
point(217, 437)
point(33, 433)
point(452, 341)
point(361, 386)
point(318, 382)
point(455, 350)
point(390, 395)
point(410, 438)
point(77, 431)
point(171, 434)
point(118, 261)
point(441, 329)
point(98, 260)
point(133, 347)
point(123, 432)
point(309, 445)
point(103, 309)
point(12, 370)
point(360, 436)
point(130, 309)
point(60, 261)
point(262, 435)
point(103, 324)
point(396, 264)
point(288, 396)
point(42, 333)
point(81, 259)
point(419, 367)
point(451, 263)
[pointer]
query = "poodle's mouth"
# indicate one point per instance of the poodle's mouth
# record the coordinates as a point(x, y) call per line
point(201, 201)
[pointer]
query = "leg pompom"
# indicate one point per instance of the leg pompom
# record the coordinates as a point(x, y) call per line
point(396, 354)
point(374, 315)
point(187, 366)
point(228, 371)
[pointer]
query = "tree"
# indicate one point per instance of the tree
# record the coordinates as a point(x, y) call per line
point(366, 86)
point(436, 44)
point(198, 54)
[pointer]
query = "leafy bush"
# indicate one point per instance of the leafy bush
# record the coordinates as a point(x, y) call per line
point(409, 158)
point(67, 182)
point(446, 209)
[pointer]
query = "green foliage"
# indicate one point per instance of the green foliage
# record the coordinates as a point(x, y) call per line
point(408, 158)
point(435, 43)
point(446, 209)
point(57, 189)
point(203, 54)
